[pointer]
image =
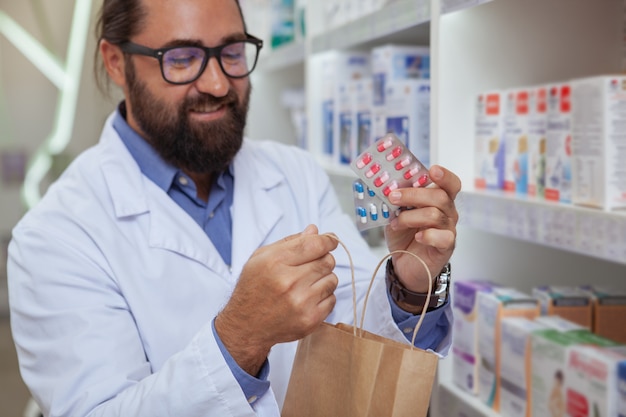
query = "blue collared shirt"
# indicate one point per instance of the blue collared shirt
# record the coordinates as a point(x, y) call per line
point(214, 217)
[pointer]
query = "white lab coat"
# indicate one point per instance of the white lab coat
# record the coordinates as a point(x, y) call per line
point(113, 286)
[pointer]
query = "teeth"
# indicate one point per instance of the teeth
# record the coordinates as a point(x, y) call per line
point(206, 109)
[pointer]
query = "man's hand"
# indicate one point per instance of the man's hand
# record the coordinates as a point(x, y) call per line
point(285, 292)
point(427, 230)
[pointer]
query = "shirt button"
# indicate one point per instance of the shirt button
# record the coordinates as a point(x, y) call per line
point(183, 181)
point(407, 330)
point(212, 215)
point(252, 399)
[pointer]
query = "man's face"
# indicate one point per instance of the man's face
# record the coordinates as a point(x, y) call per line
point(198, 126)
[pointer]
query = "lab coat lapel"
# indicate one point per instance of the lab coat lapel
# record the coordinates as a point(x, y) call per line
point(170, 228)
point(255, 211)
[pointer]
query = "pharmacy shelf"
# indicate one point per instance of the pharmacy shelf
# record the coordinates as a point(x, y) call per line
point(587, 231)
point(400, 21)
point(453, 401)
point(283, 57)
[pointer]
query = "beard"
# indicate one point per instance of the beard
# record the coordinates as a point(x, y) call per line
point(195, 147)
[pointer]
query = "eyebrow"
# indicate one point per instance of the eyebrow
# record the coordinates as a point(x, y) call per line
point(240, 36)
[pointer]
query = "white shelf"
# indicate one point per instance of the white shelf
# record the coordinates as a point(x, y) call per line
point(582, 230)
point(283, 57)
point(399, 21)
point(453, 400)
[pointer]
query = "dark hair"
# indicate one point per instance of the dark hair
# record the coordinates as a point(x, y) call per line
point(118, 21)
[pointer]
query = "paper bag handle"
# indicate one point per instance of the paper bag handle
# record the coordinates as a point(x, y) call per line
point(369, 289)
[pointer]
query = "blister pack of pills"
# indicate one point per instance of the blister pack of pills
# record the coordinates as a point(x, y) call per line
point(383, 167)
point(370, 210)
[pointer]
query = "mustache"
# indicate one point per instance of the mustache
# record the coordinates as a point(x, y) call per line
point(208, 100)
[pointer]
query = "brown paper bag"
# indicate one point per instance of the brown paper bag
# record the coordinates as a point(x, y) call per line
point(344, 371)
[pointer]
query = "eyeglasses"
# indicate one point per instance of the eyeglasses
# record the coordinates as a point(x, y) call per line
point(185, 64)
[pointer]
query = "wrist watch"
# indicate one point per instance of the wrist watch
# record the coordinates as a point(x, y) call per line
point(413, 302)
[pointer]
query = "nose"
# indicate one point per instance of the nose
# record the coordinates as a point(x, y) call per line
point(213, 80)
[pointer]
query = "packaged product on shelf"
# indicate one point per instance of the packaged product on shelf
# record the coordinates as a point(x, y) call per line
point(515, 137)
point(283, 27)
point(549, 360)
point(344, 124)
point(515, 369)
point(592, 380)
point(465, 357)
point(609, 311)
point(337, 67)
point(599, 142)
point(494, 306)
point(488, 143)
point(537, 121)
point(407, 115)
point(559, 144)
point(621, 389)
point(362, 105)
point(570, 303)
point(397, 62)
point(560, 324)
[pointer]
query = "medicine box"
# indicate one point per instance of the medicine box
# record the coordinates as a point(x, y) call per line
point(489, 146)
point(559, 144)
point(599, 142)
point(537, 122)
point(568, 302)
point(493, 307)
point(560, 324)
point(337, 68)
point(515, 370)
point(397, 62)
point(609, 311)
point(515, 136)
point(591, 381)
point(549, 361)
point(465, 336)
point(407, 115)
point(344, 123)
point(362, 105)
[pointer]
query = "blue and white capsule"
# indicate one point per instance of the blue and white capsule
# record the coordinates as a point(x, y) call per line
point(373, 212)
point(385, 210)
point(359, 190)
point(362, 214)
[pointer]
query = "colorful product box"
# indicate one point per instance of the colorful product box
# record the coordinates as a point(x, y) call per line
point(515, 136)
point(344, 123)
point(568, 302)
point(338, 68)
point(515, 370)
point(489, 146)
point(362, 105)
point(549, 361)
point(537, 122)
point(407, 114)
point(465, 336)
point(398, 62)
point(592, 381)
point(559, 144)
point(609, 311)
point(493, 307)
point(598, 142)
point(560, 324)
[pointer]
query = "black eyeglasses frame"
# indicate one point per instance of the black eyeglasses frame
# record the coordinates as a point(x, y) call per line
point(136, 49)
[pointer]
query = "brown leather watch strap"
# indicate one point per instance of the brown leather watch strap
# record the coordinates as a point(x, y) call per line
point(413, 302)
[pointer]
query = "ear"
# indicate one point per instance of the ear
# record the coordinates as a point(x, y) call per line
point(114, 62)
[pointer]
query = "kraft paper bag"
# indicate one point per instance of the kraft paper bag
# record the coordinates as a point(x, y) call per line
point(344, 371)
